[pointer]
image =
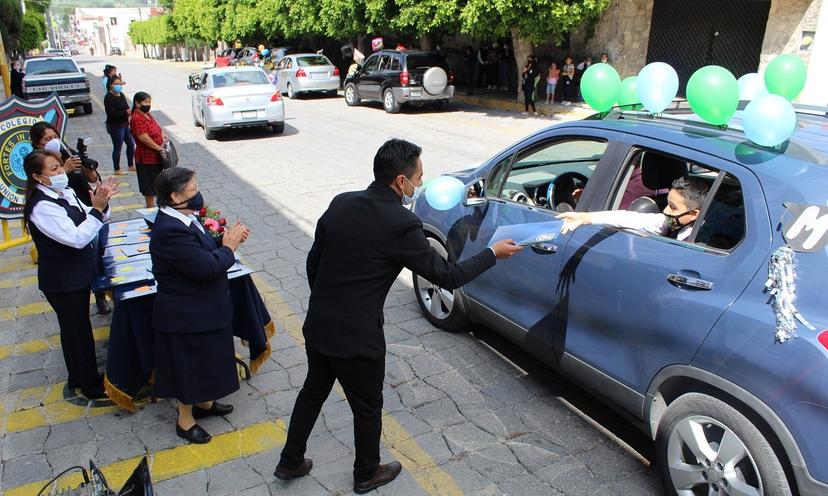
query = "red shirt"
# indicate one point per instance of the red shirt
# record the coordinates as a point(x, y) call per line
point(145, 124)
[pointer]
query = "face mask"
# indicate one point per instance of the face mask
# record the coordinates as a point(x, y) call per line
point(53, 145)
point(408, 200)
point(144, 108)
point(673, 223)
point(117, 88)
point(194, 203)
point(59, 182)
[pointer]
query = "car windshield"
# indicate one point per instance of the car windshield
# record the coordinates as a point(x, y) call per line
point(53, 66)
point(313, 60)
point(424, 61)
point(239, 79)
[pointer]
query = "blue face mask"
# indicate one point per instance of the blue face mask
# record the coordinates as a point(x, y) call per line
point(408, 200)
point(117, 88)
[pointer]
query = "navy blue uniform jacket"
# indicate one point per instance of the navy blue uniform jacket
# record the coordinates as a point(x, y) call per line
point(190, 270)
point(362, 242)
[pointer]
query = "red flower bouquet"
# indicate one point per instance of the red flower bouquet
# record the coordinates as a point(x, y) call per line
point(212, 221)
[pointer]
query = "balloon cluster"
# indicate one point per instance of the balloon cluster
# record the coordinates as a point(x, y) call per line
point(712, 91)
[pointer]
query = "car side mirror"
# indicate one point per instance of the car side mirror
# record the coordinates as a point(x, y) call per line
point(475, 194)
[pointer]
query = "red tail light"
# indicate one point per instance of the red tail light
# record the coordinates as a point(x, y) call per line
point(301, 73)
point(336, 71)
point(451, 76)
point(404, 78)
point(276, 97)
point(214, 100)
point(823, 338)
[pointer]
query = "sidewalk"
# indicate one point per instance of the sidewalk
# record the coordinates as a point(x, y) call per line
point(507, 101)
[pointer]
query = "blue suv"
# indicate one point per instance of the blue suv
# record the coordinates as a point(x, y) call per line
point(679, 336)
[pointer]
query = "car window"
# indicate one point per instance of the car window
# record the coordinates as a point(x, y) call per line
point(288, 63)
point(203, 82)
point(239, 79)
point(423, 61)
point(552, 175)
point(50, 66)
point(497, 176)
point(371, 63)
point(385, 63)
point(394, 64)
point(310, 61)
point(723, 222)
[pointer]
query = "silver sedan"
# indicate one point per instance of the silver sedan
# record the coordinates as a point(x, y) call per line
point(306, 73)
point(231, 97)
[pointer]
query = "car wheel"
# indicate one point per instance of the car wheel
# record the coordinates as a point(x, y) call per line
point(278, 128)
point(209, 134)
point(442, 307)
point(705, 446)
point(290, 92)
point(87, 108)
point(351, 95)
point(389, 102)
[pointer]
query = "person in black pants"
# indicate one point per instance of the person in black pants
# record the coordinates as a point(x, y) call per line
point(118, 111)
point(530, 73)
point(362, 242)
point(63, 228)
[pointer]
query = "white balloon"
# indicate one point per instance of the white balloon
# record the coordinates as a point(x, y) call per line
point(657, 85)
point(751, 86)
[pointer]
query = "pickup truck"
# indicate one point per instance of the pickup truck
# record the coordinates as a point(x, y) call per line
point(46, 75)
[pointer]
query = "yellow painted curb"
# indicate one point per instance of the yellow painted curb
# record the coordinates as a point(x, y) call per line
point(45, 344)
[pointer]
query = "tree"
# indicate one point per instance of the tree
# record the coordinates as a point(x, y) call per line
point(33, 32)
point(11, 22)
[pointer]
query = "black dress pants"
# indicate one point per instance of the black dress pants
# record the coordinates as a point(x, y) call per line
point(362, 380)
point(76, 338)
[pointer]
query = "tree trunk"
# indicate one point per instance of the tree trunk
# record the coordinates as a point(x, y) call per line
point(426, 43)
point(522, 49)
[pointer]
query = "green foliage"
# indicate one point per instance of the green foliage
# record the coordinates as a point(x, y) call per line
point(11, 22)
point(33, 32)
point(158, 30)
point(421, 17)
point(197, 19)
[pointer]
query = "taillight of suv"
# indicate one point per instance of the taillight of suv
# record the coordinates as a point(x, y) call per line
point(404, 80)
point(450, 76)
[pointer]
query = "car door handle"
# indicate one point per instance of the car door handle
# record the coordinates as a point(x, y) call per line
point(544, 248)
point(692, 282)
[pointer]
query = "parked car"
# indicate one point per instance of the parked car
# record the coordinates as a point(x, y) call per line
point(246, 56)
point(115, 51)
point(395, 77)
point(226, 56)
point(46, 75)
point(677, 335)
point(56, 52)
point(306, 73)
point(235, 97)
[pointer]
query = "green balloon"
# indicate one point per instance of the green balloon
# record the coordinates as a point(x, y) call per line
point(628, 94)
point(713, 93)
point(599, 86)
point(785, 76)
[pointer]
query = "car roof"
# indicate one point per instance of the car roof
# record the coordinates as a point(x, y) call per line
point(48, 57)
point(308, 54)
point(231, 69)
point(409, 52)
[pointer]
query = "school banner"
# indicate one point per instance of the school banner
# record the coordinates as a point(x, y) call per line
point(16, 117)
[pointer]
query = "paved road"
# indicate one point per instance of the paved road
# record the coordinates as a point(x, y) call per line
point(467, 413)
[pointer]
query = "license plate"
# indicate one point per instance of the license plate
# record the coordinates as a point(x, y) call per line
point(318, 75)
point(416, 93)
point(249, 114)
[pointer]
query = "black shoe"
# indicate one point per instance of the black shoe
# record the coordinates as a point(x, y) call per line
point(384, 474)
point(300, 471)
point(103, 307)
point(95, 392)
point(194, 434)
point(217, 410)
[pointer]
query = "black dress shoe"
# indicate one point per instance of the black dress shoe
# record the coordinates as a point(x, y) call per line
point(103, 306)
point(194, 434)
point(384, 474)
point(300, 471)
point(217, 410)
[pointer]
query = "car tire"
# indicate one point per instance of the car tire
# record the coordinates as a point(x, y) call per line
point(87, 108)
point(389, 102)
point(443, 308)
point(278, 128)
point(698, 426)
point(435, 81)
point(352, 98)
point(290, 93)
point(209, 134)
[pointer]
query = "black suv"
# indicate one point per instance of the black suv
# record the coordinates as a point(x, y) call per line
point(395, 77)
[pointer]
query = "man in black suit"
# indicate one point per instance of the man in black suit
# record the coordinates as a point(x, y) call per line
point(362, 242)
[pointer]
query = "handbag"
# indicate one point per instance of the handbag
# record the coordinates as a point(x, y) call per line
point(169, 156)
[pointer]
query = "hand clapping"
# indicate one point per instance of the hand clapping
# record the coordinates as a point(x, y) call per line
point(103, 193)
point(235, 235)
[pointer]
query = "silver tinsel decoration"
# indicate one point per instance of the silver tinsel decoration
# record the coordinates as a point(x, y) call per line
point(781, 285)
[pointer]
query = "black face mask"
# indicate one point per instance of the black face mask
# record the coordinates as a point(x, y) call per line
point(195, 202)
point(673, 223)
point(144, 108)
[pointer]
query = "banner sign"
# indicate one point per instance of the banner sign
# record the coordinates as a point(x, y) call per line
point(16, 118)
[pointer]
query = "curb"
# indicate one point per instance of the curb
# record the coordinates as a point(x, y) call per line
point(557, 111)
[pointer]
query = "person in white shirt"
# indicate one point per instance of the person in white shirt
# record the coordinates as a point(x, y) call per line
point(684, 201)
point(63, 229)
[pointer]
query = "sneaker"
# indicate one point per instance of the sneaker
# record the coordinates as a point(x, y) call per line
point(120, 172)
point(131, 169)
point(536, 113)
point(524, 113)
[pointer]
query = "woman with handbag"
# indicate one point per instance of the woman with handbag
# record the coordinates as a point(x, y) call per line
point(149, 141)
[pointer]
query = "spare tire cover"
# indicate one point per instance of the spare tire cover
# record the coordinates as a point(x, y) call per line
point(435, 80)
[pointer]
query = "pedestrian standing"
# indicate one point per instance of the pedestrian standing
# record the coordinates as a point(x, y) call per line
point(552, 81)
point(150, 140)
point(469, 68)
point(117, 124)
point(528, 80)
point(108, 72)
point(568, 75)
point(362, 242)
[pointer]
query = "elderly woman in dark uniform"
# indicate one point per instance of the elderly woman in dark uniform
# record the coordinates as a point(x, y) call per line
point(192, 313)
point(63, 229)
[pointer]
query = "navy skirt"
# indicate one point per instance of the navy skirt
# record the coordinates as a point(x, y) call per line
point(195, 367)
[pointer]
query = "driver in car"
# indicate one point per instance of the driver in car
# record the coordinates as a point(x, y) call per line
point(684, 202)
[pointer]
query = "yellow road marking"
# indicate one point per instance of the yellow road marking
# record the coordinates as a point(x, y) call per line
point(184, 459)
point(29, 309)
point(16, 266)
point(124, 194)
point(19, 282)
point(45, 344)
point(400, 443)
point(129, 206)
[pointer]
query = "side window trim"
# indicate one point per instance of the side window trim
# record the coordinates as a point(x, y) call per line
point(711, 195)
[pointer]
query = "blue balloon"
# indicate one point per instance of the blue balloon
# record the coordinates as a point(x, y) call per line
point(444, 192)
point(769, 120)
point(657, 84)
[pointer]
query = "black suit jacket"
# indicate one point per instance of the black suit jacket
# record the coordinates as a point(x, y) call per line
point(190, 270)
point(362, 242)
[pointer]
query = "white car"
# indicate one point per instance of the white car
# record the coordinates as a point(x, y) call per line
point(232, 97)
point(306, 73)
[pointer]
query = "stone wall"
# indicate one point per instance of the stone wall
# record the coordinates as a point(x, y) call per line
point(789, 23)
point(623, 31)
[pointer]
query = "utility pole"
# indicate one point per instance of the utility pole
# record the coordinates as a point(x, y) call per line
point(50, 27)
